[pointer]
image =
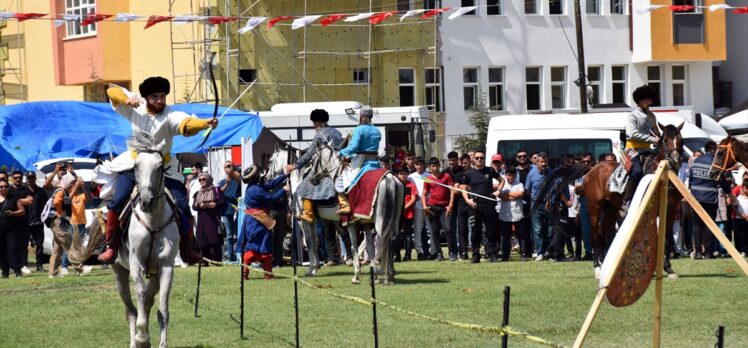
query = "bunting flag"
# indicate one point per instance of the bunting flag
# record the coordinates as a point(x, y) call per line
point(272, 22)
point(184, 19)
point(66, 18)
point(7, 15)
point(713, 8)
point(252, 22)
point(411, 13)
point(740, 10)
point(359, 17)
point(379, 17)
point(303, 21)
point(152, 20)
point(681, 8)
point(127, 17)
point(221, 20)
point(648, 8)
point(26, 16)
point(435, 12)
point(92, 18)
point(461, 11)
point(331, 19)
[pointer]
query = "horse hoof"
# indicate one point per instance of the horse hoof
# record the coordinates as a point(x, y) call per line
point(355, 281)
point(597, 273)
point(309, 274)
point(672, 275)
point(142, 341)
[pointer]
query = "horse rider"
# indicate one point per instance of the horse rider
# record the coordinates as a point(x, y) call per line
point(641, 133)
point(309, 188)
point(362, 150)
point(149, 113)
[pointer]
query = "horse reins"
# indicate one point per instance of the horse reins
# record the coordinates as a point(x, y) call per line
point(730, 155)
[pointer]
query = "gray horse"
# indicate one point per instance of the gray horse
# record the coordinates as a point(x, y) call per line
point(148, 253)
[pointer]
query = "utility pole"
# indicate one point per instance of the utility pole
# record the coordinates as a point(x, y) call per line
point(580, 60)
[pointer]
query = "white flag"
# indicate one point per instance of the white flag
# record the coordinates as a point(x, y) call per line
point(7, 15)
point(59, 22)
point(184, 19)
point(66, 18)
point(719, 7)
point(461, 11)
point(359, 17)
point(648, 8)
point(127, 17)
point(252, 22)
point(411, 13)
point(303, 21)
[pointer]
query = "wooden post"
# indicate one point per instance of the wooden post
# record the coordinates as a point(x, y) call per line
point(661, 230)
point(696, 206)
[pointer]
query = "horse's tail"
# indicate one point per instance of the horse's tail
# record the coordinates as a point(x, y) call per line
point(554, 185)
point(389, 218)
point(78, 252)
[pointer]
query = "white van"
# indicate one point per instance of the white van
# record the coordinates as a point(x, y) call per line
point(560, 134)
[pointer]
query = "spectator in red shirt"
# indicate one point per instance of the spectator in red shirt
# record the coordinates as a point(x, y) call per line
point(438, 200)
point(404, 238)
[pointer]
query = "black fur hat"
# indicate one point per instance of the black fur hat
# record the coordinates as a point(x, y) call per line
point(645, 92)
point(152, 85)
point(319, 115)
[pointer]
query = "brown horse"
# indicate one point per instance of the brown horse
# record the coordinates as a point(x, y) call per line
point(603, 205)
point(730, 152)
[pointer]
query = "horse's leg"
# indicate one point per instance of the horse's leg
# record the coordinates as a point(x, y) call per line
point(673, 201)
point(354, 253)
point(610, 215)
point(594, 211)
point(142, 338)
point(167, 275)
point(371, 250)
point(121, 275)
point(310, 236)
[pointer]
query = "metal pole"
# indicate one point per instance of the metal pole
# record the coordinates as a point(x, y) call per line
point(505, 319)
point(199, 277)
point(373, 307)
point(294, 258)
point(720, 337)
point(580, 60)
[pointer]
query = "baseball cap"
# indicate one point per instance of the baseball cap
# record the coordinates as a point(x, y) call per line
point(497, 157)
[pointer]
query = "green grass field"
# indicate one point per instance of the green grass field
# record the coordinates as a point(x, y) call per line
point(549, 300)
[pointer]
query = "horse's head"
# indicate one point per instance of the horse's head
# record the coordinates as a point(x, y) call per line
point(671, 143)
point(149, 168)
point(724, 157)
point(276, 164)
point(329, 162)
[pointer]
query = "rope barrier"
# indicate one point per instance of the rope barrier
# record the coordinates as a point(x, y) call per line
point(505, 331)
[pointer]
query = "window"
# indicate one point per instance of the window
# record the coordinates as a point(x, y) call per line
point(407, 78)
point(496, 88)
point(246, 76)
point(595, 79)
point(81, 8)
point(493, 7)
point(467, 3)
point(470, 87)
point(556, 7)
point(403, 5)
point(361, 75)
point(592, 6)
point(557, 147)
point(531, 6)
point(654, 80)
point(432, 4)
point(617, 6)
point(619, 83)
point(688, 26)
point(532, 88)
point(434, 89)
point(679, 85)
point(558, 87)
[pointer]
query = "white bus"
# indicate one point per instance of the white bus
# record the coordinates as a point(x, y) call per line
point(406, 127)
point(560, 134)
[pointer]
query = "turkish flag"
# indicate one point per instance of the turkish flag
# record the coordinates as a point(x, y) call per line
point(221, 20)
point(152, 20)
point(740, 10)
point(331, 19)
point(94, 17)
point(681, 8)
point(379, 17)
point(25, 16)
point(435, 12)
point(272, 22)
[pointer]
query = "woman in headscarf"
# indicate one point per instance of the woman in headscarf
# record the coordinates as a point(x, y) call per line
point(209, 203)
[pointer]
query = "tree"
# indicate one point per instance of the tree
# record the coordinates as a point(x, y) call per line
point(480, 115)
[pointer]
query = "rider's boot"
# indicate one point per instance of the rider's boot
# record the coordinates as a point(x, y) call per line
point(112, 238)
point(343, 206)
point(186, 252)
point(307, 214)
point(628, 195)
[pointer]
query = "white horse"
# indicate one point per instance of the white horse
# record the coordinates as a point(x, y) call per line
point(385, 217)
point(148, 254)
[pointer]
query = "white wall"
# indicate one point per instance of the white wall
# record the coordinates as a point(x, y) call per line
point(734, 68)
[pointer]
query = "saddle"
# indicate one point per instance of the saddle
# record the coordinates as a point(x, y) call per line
point(126, 215)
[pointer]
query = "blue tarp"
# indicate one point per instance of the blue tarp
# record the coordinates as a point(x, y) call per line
point(37, 131)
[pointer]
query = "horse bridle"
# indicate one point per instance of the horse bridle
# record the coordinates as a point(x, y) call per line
point(730, 155)
point(160, 192)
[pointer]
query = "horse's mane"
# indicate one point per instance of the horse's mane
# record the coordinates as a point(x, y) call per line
point(141, 141)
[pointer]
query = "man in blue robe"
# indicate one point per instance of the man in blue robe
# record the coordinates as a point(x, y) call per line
point(362, 150)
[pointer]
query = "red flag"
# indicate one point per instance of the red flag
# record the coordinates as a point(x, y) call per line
point(740, 10)
point(152, 20)
point(681, 8)
point(221, 20)
point(272, 22)
point(435, 12)
point(379, 17)
point(24, 16)
point(331, 19)
point(94, 17)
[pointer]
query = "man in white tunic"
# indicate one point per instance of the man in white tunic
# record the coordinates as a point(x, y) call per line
point(149, 113)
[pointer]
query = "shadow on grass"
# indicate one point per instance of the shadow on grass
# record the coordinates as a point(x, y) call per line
point(713, 275)
point(406, 281)
point(281, 339)
point(364, 272)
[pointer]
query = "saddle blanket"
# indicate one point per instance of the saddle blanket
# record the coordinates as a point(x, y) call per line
point(363, 194)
